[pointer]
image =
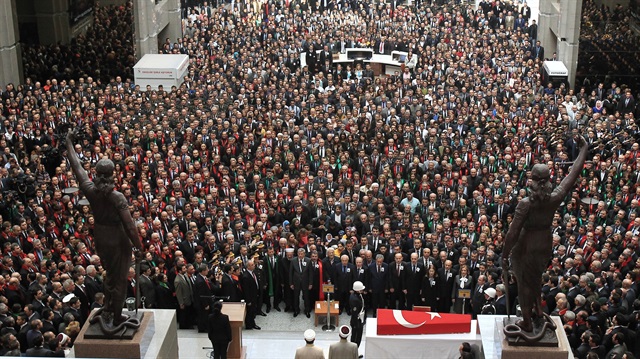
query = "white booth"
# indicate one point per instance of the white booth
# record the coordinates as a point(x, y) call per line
point(555, 72)
point(160, 69)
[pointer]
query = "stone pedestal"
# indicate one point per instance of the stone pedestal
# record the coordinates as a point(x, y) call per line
point(562, 351)
point(156, 338)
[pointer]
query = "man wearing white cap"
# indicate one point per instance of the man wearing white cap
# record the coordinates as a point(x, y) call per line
point(343, 349)
point(356, 304)
point(309, 351)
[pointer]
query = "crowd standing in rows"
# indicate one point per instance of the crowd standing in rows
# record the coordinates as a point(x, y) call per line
point(258, 179)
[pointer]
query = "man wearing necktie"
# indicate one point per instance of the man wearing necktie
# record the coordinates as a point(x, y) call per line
point(202, 293)
point(447, 276)
point(378, 283)
point(397, 283)
point(413, 281)
point(250, 291)
point(300, 281)
point(344, 278)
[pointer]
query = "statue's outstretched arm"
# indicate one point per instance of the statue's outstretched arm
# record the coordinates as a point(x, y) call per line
point(522, 210)
point(76, 166)
point(570, 180)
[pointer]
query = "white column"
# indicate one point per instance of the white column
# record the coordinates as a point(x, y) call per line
point(569, 33)
point(146, 27)
point(10, 51)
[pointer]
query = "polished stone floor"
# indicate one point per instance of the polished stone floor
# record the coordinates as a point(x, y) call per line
point(281, 334)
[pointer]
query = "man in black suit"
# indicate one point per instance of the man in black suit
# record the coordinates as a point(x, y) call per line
point(202, 293)
point(219, 331)
point(378, 283)
point(228, 286)
point(316, 272)
point(300, 281)
point(477, 300)
point(285, 268)
point(343, 281)
point(413, 281)
point(382, 47)
point(188, 247)
point(250, 288)
point(311, 59)
point(38, 350)
point(447, 276)
point(147, 288)
point(627, 104)
point(396, 282)
point(325, 55)
point(91, 284)
point(537, 52)
point(501, 300)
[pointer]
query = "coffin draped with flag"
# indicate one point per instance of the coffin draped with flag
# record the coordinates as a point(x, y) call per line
point(405, 322)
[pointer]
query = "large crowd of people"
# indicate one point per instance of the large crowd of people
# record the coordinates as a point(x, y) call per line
point(607, 45)
point(258, 179)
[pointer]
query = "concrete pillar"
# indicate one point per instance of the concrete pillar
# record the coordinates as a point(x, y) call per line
point(549, 17)
point(146, 27)
point(174, 20)
point(569, 33)
point(10, 51)
point(53, 21)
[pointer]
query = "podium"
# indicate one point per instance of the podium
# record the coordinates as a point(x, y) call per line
point(321, 310)
point(236, 313)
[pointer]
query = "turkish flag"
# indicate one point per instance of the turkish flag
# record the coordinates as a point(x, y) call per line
point(405, 322)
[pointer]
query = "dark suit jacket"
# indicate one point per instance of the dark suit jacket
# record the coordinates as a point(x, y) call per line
point(92, 287)
point(477, 298)
point(378, 282)
point(447, 284)
point(344, 280)
point(413, 281)
point(396, 279)
point(300, 275)
point(625, 108)
point(362, 274)
point(84, 301)
point(40, 352)
point(219, 328)
point(202, 293)
point(501, 305)
point(229, 288)
point(148, 291)
point(249, 287)
point(188, 251)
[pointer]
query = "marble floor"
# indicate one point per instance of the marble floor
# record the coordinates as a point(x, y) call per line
point(279, 338)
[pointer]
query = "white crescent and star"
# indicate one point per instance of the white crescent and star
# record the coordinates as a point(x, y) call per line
point(397, 314)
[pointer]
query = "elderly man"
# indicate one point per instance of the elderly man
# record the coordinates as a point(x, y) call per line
point(301, 281)
point(309, 351)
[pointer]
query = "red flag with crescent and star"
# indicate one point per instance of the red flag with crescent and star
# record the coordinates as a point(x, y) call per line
point(405, 322)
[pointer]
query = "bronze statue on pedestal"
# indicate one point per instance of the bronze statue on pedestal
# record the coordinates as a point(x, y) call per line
point(115, 235)
point(529, 242)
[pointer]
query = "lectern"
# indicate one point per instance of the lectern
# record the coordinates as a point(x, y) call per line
point(236, 313)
